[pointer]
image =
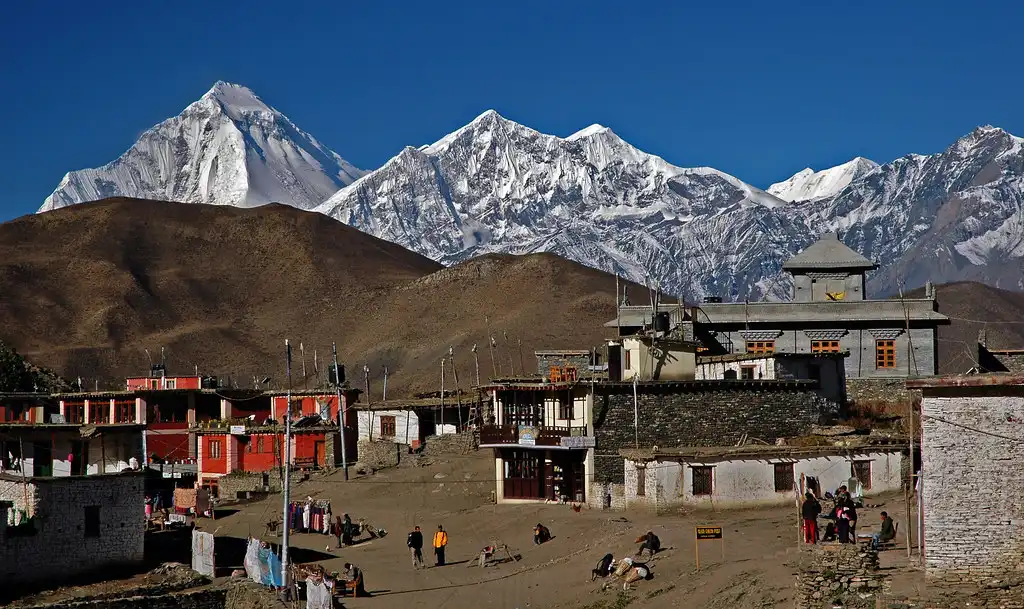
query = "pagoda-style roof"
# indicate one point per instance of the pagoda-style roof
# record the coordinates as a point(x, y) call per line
point(828, 253)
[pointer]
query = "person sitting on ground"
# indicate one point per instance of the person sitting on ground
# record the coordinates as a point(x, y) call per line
point(541, 534)
point(650, 544)
point(603, 568)
point(887, 533)
point(830, 532)
point(354, 579)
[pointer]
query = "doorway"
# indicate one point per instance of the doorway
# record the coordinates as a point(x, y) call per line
point(319, 454)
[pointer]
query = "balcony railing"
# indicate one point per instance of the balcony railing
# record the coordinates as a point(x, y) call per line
point(510, 435)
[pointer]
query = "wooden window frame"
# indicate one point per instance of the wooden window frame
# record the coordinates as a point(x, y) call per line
point(388, 423)
point(825, 346)
point(747, 373)
point(215, 448)
point(760, 347)
point(627, 363)
point(710, 471)
point(787, 481)
point(885, 354)
point(865, 483)
point(641, 480)
point(565, 408)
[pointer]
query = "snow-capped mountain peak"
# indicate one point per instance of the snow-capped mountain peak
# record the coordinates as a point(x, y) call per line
point(227, 148)
point(808, 184)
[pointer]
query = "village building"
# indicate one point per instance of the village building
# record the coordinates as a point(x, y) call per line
point(828, 369)
point(755, 475)
point(66, 449)
point(65, 526)
point(410, 422)
point(972, 482)
point(249, 441)
point(542, 438)
point(829, 312)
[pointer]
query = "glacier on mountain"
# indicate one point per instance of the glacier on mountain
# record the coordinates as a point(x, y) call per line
point(227, 148)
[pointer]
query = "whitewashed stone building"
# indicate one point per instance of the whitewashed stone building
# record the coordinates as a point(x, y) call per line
point(973, 483)
point(748, 476)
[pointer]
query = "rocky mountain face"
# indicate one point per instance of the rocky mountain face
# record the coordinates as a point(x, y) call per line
point(495, 186)
point(227, 148)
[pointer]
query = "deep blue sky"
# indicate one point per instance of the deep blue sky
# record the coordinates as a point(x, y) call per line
point(757, 89)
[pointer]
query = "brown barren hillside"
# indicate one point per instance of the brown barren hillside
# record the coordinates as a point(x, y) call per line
point(973, 308)
point(86, 289)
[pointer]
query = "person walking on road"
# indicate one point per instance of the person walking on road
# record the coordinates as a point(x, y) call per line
point(440, 542)
point(415, 543)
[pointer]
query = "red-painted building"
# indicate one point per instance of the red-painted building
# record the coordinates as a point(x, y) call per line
point(253, 444)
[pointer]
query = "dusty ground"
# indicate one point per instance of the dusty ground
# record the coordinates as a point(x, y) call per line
point(757, 571)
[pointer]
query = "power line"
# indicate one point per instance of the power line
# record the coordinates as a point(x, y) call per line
point(974, 429)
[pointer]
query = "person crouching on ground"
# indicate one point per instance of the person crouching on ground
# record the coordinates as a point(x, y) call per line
point(651, 544)
point(440, 543)
point(810, 510)
point(637, 573)
point(415, 543)
point(541, 534)
point(888, 532)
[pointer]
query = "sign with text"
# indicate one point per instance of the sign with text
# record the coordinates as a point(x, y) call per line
point(577, 442)
point(238, 430)
point(709, 532)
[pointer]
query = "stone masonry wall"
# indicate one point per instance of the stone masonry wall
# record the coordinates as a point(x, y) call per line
point(831, 571)
point(374, 455)
point(248, 482)
point(60, 544)
point(973, 484)
point(548, 361)
point(879, 390)
point(707, 416)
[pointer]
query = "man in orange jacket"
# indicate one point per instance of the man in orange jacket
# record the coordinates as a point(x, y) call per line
point(440, 541)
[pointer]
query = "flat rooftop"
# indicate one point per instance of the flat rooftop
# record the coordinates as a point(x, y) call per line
point(758, 451)
point(966, 381)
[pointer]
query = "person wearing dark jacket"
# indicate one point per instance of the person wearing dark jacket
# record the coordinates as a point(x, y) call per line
point(651, 544)
point(346, 531)
point(851, 515)
point(809, 511)
point(603, 568)
point(887, 533)
point(415, 543)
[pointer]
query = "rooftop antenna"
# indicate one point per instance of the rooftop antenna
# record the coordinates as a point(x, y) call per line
point(618, 308)
point(494, 366)
point(341, 411)
point(149, 357)
point(302, 355)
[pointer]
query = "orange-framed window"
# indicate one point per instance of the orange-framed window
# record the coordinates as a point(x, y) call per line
point(824, 346)
point(761, 347)
point(885, 354)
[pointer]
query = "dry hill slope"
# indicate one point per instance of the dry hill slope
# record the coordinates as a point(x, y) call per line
point(973, 308)
point(88, 288)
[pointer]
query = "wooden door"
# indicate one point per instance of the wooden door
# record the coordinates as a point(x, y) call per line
point(320, 453)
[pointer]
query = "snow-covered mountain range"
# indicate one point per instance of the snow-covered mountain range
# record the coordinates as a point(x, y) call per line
point(498, 186)
point(227, 148)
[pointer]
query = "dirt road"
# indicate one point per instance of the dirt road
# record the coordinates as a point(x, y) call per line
point(757, 570)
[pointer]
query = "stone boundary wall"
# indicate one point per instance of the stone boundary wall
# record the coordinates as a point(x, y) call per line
point(374, 455)
point(453, 444)
point(703, 416)
point(830, 571)
point(248, 482)
point(232, 594)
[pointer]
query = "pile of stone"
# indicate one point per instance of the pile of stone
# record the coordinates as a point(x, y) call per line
point(848, 572)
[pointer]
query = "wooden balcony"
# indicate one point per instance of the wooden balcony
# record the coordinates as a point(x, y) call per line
point(509, 435)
